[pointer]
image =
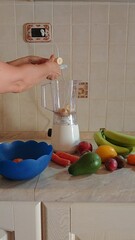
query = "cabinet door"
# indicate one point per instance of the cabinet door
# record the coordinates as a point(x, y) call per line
point(6, 216)
point(94, 221)
point(56, 221)
point(21, 218)
point(27, 221)
point(3, 235)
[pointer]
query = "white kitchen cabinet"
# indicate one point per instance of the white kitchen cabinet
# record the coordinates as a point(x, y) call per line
point(22, 218)
point(67, 221)
point(94, 221)
point(98, 206)
point(56, 221)
point(89, 221)
point(3, 235)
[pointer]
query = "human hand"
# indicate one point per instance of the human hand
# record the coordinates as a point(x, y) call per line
point(54, 67)
point(21, 74)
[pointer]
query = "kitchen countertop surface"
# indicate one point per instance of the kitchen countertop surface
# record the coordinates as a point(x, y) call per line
point(56, 185)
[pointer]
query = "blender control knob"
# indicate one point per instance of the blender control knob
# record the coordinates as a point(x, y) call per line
point(49, 132)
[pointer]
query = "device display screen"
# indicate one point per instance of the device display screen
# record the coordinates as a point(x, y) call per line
point(38, 32)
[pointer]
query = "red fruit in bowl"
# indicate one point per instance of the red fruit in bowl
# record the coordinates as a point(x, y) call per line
point(84, 147)
point(111, 164)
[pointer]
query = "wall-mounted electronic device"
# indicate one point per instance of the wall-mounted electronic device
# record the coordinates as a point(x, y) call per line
point(37, 32)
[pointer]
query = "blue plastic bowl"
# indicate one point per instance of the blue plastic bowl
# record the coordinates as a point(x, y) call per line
point(36, 157)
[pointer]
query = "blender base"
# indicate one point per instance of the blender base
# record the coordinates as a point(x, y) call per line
point(65, 137)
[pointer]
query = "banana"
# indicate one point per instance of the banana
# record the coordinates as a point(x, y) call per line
point(133, 150)
point(119, 139)
point(100, 139)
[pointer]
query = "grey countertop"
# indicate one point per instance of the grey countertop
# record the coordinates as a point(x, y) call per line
point(55, 184)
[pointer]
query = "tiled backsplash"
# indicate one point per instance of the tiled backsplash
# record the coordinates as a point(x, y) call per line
point(96, 41)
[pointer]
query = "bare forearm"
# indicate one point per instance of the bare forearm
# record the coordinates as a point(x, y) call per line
point(28, 59)
point(30, 75)
point(20, 78)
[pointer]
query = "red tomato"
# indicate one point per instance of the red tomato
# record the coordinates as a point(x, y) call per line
point(131, 159)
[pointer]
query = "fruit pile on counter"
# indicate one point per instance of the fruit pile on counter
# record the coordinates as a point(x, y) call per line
point(114, 150)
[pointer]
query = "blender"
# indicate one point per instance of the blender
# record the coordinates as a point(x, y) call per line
point(65, 130)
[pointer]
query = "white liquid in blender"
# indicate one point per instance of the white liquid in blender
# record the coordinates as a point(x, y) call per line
point(65, 137)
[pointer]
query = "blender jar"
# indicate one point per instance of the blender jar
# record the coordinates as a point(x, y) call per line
point(65, 130)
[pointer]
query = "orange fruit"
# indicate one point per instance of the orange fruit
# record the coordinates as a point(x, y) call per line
point(17, 160)
point(105, 152)
point(131, 159)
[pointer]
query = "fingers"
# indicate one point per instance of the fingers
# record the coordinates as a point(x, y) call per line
point(53, 76)
point(38, 60)
point(52, 58)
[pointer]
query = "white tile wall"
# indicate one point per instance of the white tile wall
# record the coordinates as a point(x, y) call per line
point(95, 39)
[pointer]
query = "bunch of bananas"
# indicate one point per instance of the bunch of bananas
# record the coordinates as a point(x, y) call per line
point(122, 143)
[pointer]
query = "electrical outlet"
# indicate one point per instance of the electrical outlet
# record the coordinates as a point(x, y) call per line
point(83, 90)
point(37, 32)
